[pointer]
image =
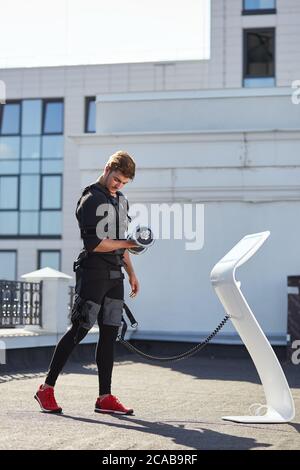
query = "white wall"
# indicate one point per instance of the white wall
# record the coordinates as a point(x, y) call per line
point(220, 110)
point(176, 294)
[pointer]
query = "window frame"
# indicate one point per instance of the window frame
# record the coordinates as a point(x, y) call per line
point(245, 32)
point(51, 250)
point(88, 100)
point(258, 11)
point(18, 235)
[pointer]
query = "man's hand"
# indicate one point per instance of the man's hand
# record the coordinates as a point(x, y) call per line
point(134, 283)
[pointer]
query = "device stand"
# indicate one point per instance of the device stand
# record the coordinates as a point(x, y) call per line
point(279, 406)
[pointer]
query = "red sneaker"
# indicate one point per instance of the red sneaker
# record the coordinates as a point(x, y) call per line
point(111, 404)
point(45, 398)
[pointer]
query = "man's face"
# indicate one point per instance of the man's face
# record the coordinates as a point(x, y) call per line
point(115, 181)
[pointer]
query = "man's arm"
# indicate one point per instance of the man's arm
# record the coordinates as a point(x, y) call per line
point(107, 245)
point(128, 264)
point(134, 283)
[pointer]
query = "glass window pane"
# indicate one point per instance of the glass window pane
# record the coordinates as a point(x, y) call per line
point(8, 192)
point(53, 119)
point(52, 166)
point(31, 147)
point(51, 192)
point(8, 263)
point(30, 166)
point(259, 82)
point(11, 119)
point(9, 167)
point(91, 116)
point(259, 53)
point(30, 192)
point(9, 147)
point(52, 146)
point(49, 259)
point(29, 223)
point(8, 223)
point(50, 223)
point(260, 4)
point(31, 116)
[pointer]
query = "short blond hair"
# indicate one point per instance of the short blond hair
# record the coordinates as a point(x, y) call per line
point(123, 162)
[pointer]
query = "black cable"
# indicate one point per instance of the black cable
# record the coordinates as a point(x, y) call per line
point(179, 357)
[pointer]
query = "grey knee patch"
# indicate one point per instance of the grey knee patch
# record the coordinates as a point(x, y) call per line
point(85, 312)
point(112, 311)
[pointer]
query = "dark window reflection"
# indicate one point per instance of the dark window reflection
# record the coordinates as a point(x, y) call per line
point(90, 114)
point(259, 51)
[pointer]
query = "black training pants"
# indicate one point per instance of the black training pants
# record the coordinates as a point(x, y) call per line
point(90, 285)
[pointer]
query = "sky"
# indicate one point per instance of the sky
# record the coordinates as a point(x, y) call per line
point(69, 32)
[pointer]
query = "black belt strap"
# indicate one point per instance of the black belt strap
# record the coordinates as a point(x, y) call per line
point(131, 318)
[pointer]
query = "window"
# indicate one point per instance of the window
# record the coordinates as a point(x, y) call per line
point(259, 57)
point(29, 192)
point(50, 222)
point(51, 192)
point(52, 146)
point(29, 223)
point(31, 117)
point(53, 117)
point(8, 222)
point(10, 118)
point(49, 259)
point(90, 114)
point(9, 192)
point(8, 265)
point(31, 167)
point(9, 148)
point(259, 7)
point(31, 147)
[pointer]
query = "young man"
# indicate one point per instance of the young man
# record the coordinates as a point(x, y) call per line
point(99, 281)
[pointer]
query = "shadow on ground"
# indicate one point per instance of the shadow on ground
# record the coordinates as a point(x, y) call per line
point(199, 438)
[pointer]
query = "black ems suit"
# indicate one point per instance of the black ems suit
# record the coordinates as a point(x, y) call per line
point(99, 291)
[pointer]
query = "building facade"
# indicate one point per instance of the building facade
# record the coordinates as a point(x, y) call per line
point(223, 132)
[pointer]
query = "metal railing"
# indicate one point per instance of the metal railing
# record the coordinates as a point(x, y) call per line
point(20, 303)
